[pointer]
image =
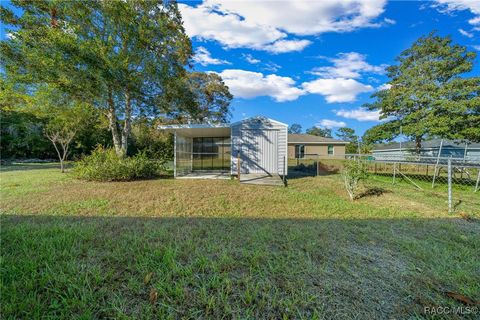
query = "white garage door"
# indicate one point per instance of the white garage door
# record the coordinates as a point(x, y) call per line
point(259, 151)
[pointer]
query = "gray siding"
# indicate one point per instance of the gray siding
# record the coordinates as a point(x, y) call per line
point(242, 136)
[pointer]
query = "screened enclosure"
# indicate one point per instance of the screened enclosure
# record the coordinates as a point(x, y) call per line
point(211, 153)
point(183, 155)
point(206, 154)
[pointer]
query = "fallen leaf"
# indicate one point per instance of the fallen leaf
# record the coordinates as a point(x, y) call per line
point(460, 297)
point(465, 216)
point(148, 277)
point(153, 296)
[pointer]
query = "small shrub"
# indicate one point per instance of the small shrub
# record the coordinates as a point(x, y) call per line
point(105, 165)
point(353, 173)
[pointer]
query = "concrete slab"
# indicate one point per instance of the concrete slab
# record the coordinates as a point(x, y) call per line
point(205, 175)
point(261, 179)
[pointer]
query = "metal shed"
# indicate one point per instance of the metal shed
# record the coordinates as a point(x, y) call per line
point(259, 143)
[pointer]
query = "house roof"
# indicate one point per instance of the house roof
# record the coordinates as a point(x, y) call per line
point(311, 139)
point(429, 144)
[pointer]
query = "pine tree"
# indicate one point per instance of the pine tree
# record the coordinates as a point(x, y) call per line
point(428, 97)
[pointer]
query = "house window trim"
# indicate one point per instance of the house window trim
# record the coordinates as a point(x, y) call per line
point(333, 150)
point(297, 154)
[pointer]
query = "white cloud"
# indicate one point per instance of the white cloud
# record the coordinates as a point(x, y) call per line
point(476, 47)
point(359, 114)
point(248, 84)
point(282, 46)
point(384, 86)
point(475, 21)
point(330, 124)
point(465, 33)
point(389, 21)
point(307, 17)
point(271, 66)
point(450, 6)
point(203, 57)
point(348, 65)
point(250, 59)
point(337, 89)
point(261, 25)
point(228, 29)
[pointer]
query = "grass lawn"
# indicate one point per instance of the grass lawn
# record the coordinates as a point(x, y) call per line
point(169, 248)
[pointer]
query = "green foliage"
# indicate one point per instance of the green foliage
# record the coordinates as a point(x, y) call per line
point(27, 112)
point(348, 134)
point(122, 57)
point(321, 132)
point(146, 138)
point(116, 55)
point(105, 165)
point(22, 136)
point(383, 132)
point(295, 128)
point(354, 172)
point(428, 97)
point(211, 97)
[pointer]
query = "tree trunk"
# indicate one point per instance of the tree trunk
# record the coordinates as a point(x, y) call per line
point(62, 169)
point(126, 124)
point(418, 144)
point(112, 122)
point(53, 18)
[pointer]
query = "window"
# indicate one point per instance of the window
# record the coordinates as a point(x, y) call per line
point(299, 151)
point(330, 149)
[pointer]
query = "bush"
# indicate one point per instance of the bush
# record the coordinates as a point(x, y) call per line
point(353, 173)
point(105, 165)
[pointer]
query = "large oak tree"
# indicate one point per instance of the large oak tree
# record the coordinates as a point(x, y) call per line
point(122, 56)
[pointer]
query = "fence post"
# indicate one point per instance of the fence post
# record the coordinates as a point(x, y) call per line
point(449, 185)
point(478, 181)
point(394, 172)
point(238, 165)
point(175, 154)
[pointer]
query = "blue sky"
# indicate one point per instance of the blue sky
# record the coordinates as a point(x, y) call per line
point(316, 62)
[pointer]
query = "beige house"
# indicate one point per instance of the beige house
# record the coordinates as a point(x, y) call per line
point(306, 146)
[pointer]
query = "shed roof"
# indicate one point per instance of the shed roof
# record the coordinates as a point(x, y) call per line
point(213, 130)
point(199, 130)
point(308, 138)
point(259, 119)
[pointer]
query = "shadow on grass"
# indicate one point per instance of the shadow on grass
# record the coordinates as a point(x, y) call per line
point(32, 166)
point(234, 267)
point(373, 191)
point(310, 170)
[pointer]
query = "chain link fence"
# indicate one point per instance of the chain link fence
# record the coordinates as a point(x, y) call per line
point(452, 181)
